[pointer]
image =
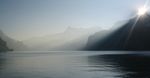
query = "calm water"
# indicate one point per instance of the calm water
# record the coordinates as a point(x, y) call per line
point(75, 65)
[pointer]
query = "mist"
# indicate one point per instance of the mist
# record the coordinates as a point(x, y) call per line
point(70, 39)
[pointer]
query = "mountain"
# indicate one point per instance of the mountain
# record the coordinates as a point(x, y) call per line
point(3, 46)
point(13, 44)
point(70, 39)
point(133, 35)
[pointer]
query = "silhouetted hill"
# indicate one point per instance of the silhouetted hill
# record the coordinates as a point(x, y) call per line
point(133, 35)
point(13, 44)
point(3, 46)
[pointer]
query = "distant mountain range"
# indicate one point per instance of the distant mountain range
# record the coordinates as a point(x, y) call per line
point(70, 39)
point(133, 35)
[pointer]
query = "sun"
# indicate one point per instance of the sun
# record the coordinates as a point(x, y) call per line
point(142, 11)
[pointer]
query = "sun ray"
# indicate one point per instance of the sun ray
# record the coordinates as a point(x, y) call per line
point(135, 22)
point(131, 30)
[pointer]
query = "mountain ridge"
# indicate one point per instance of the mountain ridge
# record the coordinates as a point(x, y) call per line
point(132, 36)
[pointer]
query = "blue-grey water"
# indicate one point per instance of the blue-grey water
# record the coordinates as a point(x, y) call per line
point(75, 64)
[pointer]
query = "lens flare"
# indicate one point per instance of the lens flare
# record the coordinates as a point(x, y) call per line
point(142, 11)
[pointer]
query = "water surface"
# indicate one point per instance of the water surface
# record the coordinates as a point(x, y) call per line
point(75, 64)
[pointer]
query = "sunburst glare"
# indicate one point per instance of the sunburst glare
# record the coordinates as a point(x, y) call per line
point(142, 11)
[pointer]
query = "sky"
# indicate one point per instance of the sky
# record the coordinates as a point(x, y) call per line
point(23, 19)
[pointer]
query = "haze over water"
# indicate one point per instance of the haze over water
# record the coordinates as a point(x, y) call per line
point(85, 64)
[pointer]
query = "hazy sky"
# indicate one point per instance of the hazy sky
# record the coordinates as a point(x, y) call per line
point(22, 19)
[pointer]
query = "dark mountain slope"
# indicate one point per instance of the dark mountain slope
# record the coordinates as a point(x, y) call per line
point(3, 46)
point(13, 44)
point(134, 35)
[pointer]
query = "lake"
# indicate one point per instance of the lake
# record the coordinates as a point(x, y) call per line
point(75, 64)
